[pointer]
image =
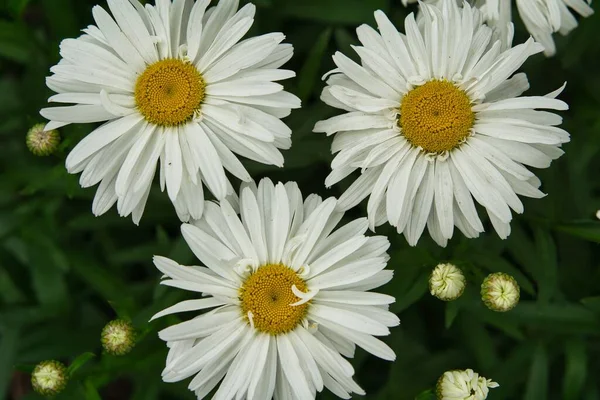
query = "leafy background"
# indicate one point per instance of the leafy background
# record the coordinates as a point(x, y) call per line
point(65, 273)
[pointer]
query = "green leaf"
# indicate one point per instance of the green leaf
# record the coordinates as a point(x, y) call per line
point(309, 74)
point(412, 295)
point(575, 369)
point(79, 362)
point(344, 41)
point(452, 309)
point(17, 6)
point(547, 278)
point(9, 292)
point(350, 12)
point(104, 282)
point(592, 303)
point(537, 384)
point(519, 246)
point(518, 359)
point(566, 317)
point(90, 392)
point(480, 342)
point(588, 230)
point(426, 395)
point(9, 345)
point(15, 42)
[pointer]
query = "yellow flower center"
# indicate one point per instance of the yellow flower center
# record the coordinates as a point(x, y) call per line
point(436, 116)
point(267, 294)
point(169, 92)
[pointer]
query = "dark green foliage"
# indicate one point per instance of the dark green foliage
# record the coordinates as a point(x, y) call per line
point(65, 273)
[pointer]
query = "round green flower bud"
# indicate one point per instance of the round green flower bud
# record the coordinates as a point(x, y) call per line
point(463, 385)
point(41, 142)
point(447, 282)
point(49, 378)
point(118, 337)
point(500, 292)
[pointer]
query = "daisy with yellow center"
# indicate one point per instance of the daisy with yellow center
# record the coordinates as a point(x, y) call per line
point(435, 123)
point(290, 297)
point(174, 84)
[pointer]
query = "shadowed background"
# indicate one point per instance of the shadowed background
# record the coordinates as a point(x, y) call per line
point(65, 273)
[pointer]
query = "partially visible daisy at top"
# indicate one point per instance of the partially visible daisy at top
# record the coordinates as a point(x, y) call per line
point(545, 17)
point(434, 120)
point(542, 18)
point(174, 84)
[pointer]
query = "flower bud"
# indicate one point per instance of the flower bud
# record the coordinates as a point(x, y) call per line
point(118, 337)
point(49, 378)
point(41, 142)
point(463, 385)
point(447, 282)
point(500, 292)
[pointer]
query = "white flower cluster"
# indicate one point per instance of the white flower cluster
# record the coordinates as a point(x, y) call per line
point(433, 123)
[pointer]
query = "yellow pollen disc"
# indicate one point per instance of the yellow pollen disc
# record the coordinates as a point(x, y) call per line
point(267, 294)
point(436, 116)
point(169, 92)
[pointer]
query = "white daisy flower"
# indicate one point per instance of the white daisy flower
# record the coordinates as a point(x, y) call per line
point(463, 385)
point(542, 18)
point(174, 83)
point(290, 296)
point(434, 119)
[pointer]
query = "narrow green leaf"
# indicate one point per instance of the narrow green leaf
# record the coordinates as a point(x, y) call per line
point(9, 291)
point(9, 345)
point(575, 369)
point(414, 293)
point(90, 392)
point(309, 73)
point(511, 383)
point(547, 278)
point(110, 286)
point(564, 316)
point(17, 6)
point(452, 309)
point(344, 41)
point(588, 230)
point(480, 342)
point(15, 42)
point(429, 394)
point(520, 247)
point(537, 384)
point(79, 362)
point(49, 283)
point(334, 11)
point(592, 303)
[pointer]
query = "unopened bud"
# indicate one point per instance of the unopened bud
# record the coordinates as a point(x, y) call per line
point(463, 385)
point(41, 142)
point(49, 378)
point(118, 337)
point(447, 282)
point(500, 292)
